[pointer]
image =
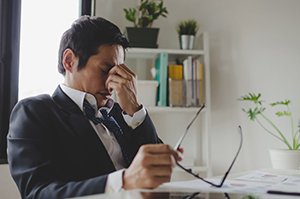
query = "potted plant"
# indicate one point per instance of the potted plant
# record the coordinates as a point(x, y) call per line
point(187, 31)
point(142, 34)
point(281, 158)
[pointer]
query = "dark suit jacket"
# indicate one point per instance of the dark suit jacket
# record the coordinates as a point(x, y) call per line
point(54, 152)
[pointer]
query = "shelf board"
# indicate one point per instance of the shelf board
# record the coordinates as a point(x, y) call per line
point(159, 109)
point(152, 53)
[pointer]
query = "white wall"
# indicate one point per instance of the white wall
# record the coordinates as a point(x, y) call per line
point(8, 188)
point(254, 47)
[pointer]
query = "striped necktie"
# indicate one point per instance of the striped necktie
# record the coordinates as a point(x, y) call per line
point(110, 123)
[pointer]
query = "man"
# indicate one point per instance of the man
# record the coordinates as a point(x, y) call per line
point(78, 141)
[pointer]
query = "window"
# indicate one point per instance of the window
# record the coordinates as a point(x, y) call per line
point(42, 25)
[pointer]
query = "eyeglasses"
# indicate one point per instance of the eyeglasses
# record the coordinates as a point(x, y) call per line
point(239, 128)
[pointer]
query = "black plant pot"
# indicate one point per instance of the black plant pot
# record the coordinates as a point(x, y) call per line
point(142, 37)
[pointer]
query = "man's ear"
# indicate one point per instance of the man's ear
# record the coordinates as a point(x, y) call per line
point(69, 60)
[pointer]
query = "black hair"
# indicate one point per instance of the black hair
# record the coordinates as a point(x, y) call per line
point(85, 36)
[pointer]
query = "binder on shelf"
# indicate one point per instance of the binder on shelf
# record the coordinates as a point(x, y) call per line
point(175, 85)
point(188, 82)
point(200, 84)
point(193, 86)
point(196, 82)
point(161, 67)
point(175, 71)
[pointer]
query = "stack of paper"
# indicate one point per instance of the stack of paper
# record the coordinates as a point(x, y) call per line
point(258, 182)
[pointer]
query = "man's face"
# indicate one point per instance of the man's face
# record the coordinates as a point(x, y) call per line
point(92, 77)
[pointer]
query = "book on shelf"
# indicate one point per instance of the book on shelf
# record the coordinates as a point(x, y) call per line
point(179, 80)
point(188, 82)
point(192, 84)
point(198, 82)
point(175, 85)
point(161, 67)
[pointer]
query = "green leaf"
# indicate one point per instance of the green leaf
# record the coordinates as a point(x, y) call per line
point(147, 12)
point(251, 97)
point(286, 102)
point(188, 27)
point(287, 113)
point(261, 109)
point(252, 113)
point(130, 14)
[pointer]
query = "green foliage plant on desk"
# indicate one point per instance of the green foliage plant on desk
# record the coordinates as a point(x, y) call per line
point(142, 34)
point(259, 109)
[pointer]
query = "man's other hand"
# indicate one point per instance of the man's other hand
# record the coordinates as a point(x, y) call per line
point(151, 167)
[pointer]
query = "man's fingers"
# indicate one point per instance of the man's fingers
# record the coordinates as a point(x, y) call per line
point(160, 149)
point(152, 166)
point(158, 160)
point(127, 69)
point(121, 76)
point(156, 148)
point(162, 171)
point(122, 71)
point(116, 77)
point(180, 150)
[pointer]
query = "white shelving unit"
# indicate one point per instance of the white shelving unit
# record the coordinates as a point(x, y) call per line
point(170, 122)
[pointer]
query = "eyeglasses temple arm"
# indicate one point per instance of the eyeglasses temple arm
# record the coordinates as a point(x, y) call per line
point(226, 174)
point(195, 175)
point(187, 128)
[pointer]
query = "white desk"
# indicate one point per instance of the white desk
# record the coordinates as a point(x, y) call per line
point(151, 194)
point(267, 170)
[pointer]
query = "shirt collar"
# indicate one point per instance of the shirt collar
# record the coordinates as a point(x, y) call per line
point(78, 96)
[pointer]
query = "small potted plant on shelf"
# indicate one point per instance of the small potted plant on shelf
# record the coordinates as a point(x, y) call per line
point(281, 158)
point(142, 34)
point(187, 31)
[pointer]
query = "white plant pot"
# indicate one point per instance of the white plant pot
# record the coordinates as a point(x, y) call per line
point(186, 42)
point(285, 159)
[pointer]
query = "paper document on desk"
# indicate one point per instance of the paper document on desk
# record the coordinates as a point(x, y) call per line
point(257, 182)
point(282, 184)
point(289, 187)
point(259, 176)
point(229, 186)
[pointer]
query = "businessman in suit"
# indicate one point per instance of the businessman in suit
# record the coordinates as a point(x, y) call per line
point(79, 141)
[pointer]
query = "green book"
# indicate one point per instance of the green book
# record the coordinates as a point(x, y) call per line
point(161, 67)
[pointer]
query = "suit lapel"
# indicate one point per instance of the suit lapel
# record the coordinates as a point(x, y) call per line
point(80, 125)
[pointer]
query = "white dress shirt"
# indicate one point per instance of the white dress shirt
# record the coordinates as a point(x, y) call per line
point(114, 181)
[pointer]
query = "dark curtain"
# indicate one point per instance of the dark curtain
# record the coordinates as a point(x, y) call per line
point(10, 16)
point(87, 7)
